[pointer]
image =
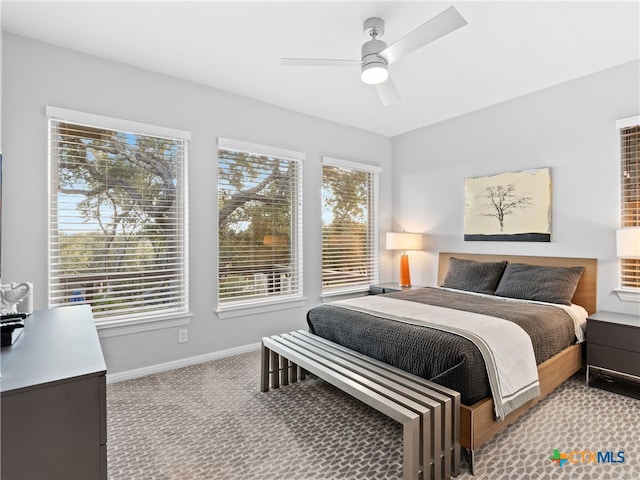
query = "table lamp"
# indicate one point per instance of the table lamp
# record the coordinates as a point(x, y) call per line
point(404, 241)
point(628, 242)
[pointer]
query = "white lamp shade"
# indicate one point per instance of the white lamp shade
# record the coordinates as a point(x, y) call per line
point(628, 242)
point(404, 241)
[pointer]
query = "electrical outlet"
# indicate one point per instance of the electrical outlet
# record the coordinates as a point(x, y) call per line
point(183, 335)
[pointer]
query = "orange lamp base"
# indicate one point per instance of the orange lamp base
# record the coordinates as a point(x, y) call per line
point(405, 276)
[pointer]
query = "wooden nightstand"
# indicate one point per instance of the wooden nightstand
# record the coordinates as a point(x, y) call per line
point(389, 288)
point(613, 347)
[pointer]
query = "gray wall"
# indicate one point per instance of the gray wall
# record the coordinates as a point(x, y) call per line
point(568, 127)
point(37, 74)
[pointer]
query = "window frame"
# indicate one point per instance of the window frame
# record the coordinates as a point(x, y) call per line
point(294, 299)
point(114, 325)
point(626, 293)
point(374, 229)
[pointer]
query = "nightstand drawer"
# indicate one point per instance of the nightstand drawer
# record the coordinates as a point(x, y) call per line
point(376, 290)
point(613, 359)
point(613, 335)
point(379, 288)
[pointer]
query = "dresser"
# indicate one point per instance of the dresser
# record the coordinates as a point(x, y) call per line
point(613, 344)
point(53, 407)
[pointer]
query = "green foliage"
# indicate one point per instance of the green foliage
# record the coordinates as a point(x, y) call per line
point(256, 196)
point(346, 194)
point(346, 227)
point(124, 186)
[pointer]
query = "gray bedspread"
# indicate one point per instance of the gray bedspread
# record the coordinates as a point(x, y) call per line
point(442, 357)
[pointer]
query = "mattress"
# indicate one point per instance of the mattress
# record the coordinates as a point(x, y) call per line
point(439, 356)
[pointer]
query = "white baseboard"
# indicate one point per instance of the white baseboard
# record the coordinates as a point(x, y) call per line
point(183, 362)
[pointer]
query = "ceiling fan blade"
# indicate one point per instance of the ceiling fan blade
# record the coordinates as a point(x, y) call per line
point(439, 26)
point(388, 92)
point(319, 62)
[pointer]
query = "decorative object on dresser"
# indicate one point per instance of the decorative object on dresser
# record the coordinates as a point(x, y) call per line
point(54, 414)
point(15, 293)
point(404, 241)
point(613, 352)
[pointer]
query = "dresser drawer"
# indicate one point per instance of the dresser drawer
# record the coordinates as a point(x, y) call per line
point(613, 359)
point(613, 335)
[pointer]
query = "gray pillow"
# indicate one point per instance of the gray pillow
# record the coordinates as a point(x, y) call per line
point(544, 284)
point(472, 276)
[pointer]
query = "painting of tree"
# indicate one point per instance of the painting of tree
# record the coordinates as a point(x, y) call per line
point(503, 200)
point(514, 206)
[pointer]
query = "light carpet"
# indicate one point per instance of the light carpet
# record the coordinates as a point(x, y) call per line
point(210, 421)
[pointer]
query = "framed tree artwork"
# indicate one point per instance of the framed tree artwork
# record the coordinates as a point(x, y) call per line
point(512, 207)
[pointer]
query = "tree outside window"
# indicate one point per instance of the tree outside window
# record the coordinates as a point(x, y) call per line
point(117, 221)
point(630, 198)
point(349, 226)
point(259, 226)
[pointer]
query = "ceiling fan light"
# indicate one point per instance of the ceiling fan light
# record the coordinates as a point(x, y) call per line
point(374, 73)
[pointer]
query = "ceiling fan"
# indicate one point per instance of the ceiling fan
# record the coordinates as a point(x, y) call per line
point(376, 56)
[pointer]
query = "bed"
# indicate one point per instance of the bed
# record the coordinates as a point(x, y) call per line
point(399, 343)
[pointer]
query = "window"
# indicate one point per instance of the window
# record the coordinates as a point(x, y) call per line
point(630, 193)
point(349, 225)
point(259, 224)
point(117, 229)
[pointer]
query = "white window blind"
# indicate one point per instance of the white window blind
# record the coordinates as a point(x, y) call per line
point(259, 224)
point(349, 225)
point(117, 228)
point(630, 196)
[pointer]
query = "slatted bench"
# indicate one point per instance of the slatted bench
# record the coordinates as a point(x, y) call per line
point(429, 413)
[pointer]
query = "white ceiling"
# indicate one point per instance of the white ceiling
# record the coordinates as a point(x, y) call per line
point(507, 49)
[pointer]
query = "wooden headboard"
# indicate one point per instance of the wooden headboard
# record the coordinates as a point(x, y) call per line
point(586, 292)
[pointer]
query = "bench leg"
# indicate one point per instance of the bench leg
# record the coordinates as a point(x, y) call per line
point(430, 450)
point(264, 370)
point(411, 450)
point(284, 371)
point(275, 370)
